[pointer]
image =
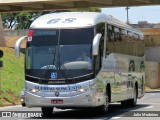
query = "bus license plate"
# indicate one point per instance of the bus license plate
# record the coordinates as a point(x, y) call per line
point(57, 101)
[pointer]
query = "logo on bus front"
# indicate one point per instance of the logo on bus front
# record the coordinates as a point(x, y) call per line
point(53, 75)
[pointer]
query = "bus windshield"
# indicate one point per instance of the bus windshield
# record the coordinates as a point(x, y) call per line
point(60, 51)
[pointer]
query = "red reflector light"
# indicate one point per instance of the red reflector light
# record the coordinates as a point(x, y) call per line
point(30, 35)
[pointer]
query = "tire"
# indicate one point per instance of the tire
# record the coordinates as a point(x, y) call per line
point(104, 108)
point(125, 103)
point(131, 102)
point(23, 104)
point(47, 111)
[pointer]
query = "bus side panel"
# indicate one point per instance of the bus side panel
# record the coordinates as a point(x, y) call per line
point(122, 76)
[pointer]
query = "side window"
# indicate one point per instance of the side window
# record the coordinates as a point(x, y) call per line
point(110, 33)
point(100, 28)
point(131, 36)
point(124, 35)
point(124, 41)
point(117, 34)
point(136, 36)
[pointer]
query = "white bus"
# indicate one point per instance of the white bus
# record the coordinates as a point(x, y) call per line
point(82, 60)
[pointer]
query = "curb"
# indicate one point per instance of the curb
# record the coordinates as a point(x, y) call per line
point(1, 108)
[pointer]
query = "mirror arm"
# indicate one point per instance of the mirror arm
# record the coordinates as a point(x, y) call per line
point(17, 46)
point(96, 42)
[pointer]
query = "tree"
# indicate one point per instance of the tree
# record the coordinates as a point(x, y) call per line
point(87, 10)
point(23, 20)
point(9, 19)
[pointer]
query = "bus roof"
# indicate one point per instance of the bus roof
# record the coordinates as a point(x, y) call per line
point(69, 20)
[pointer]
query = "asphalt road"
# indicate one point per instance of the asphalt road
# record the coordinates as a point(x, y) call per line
point(148, 105)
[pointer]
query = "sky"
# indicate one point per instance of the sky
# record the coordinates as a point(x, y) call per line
point(143, 13)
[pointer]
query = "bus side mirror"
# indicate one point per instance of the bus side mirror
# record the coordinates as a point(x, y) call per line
point(95, 46)
point(18, 44)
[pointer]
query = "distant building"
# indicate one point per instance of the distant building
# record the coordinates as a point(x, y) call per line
point(157, 25)
point(143, 24)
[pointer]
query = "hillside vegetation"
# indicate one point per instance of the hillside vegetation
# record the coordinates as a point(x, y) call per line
point(12, 77)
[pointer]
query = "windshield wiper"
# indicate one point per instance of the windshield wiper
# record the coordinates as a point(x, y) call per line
point(66, 71)
point(52, 59)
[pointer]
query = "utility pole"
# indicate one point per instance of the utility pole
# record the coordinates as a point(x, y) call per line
point(127, 8)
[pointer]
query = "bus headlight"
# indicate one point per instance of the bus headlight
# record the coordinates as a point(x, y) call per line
point(91, 87)
point(22, 99)
point(81, 90)
point(33, 90)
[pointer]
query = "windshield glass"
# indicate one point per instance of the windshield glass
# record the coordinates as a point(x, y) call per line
point(41, 51)
point(61, 51)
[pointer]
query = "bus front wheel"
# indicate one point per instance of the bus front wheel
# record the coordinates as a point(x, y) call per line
point(47, 111)
point(104, 108)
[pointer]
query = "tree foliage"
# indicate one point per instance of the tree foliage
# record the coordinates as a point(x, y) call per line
point(23, 20)
point(9, 19)
point(87, 10)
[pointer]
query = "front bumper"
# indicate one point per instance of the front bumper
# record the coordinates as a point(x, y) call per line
point(86, 99)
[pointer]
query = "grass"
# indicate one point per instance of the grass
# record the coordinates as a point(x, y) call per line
point(147, 89)
point(12, 77)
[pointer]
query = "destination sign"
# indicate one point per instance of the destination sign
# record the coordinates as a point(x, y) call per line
point(67, 88)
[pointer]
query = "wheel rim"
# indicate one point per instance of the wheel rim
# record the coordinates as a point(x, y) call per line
point(135, 96)
point(106, 104)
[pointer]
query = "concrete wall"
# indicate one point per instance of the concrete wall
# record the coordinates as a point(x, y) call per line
point(152, 40)
point(152, 71)
point(2, 40)
point(152, 52)
point(12, 36)
point(16, 33)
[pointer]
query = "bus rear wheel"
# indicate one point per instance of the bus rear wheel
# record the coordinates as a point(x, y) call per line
point(47, 111)
point(131, 102)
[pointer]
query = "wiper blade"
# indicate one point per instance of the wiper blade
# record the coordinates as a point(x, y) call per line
point(45, 70)
point(66, 71)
